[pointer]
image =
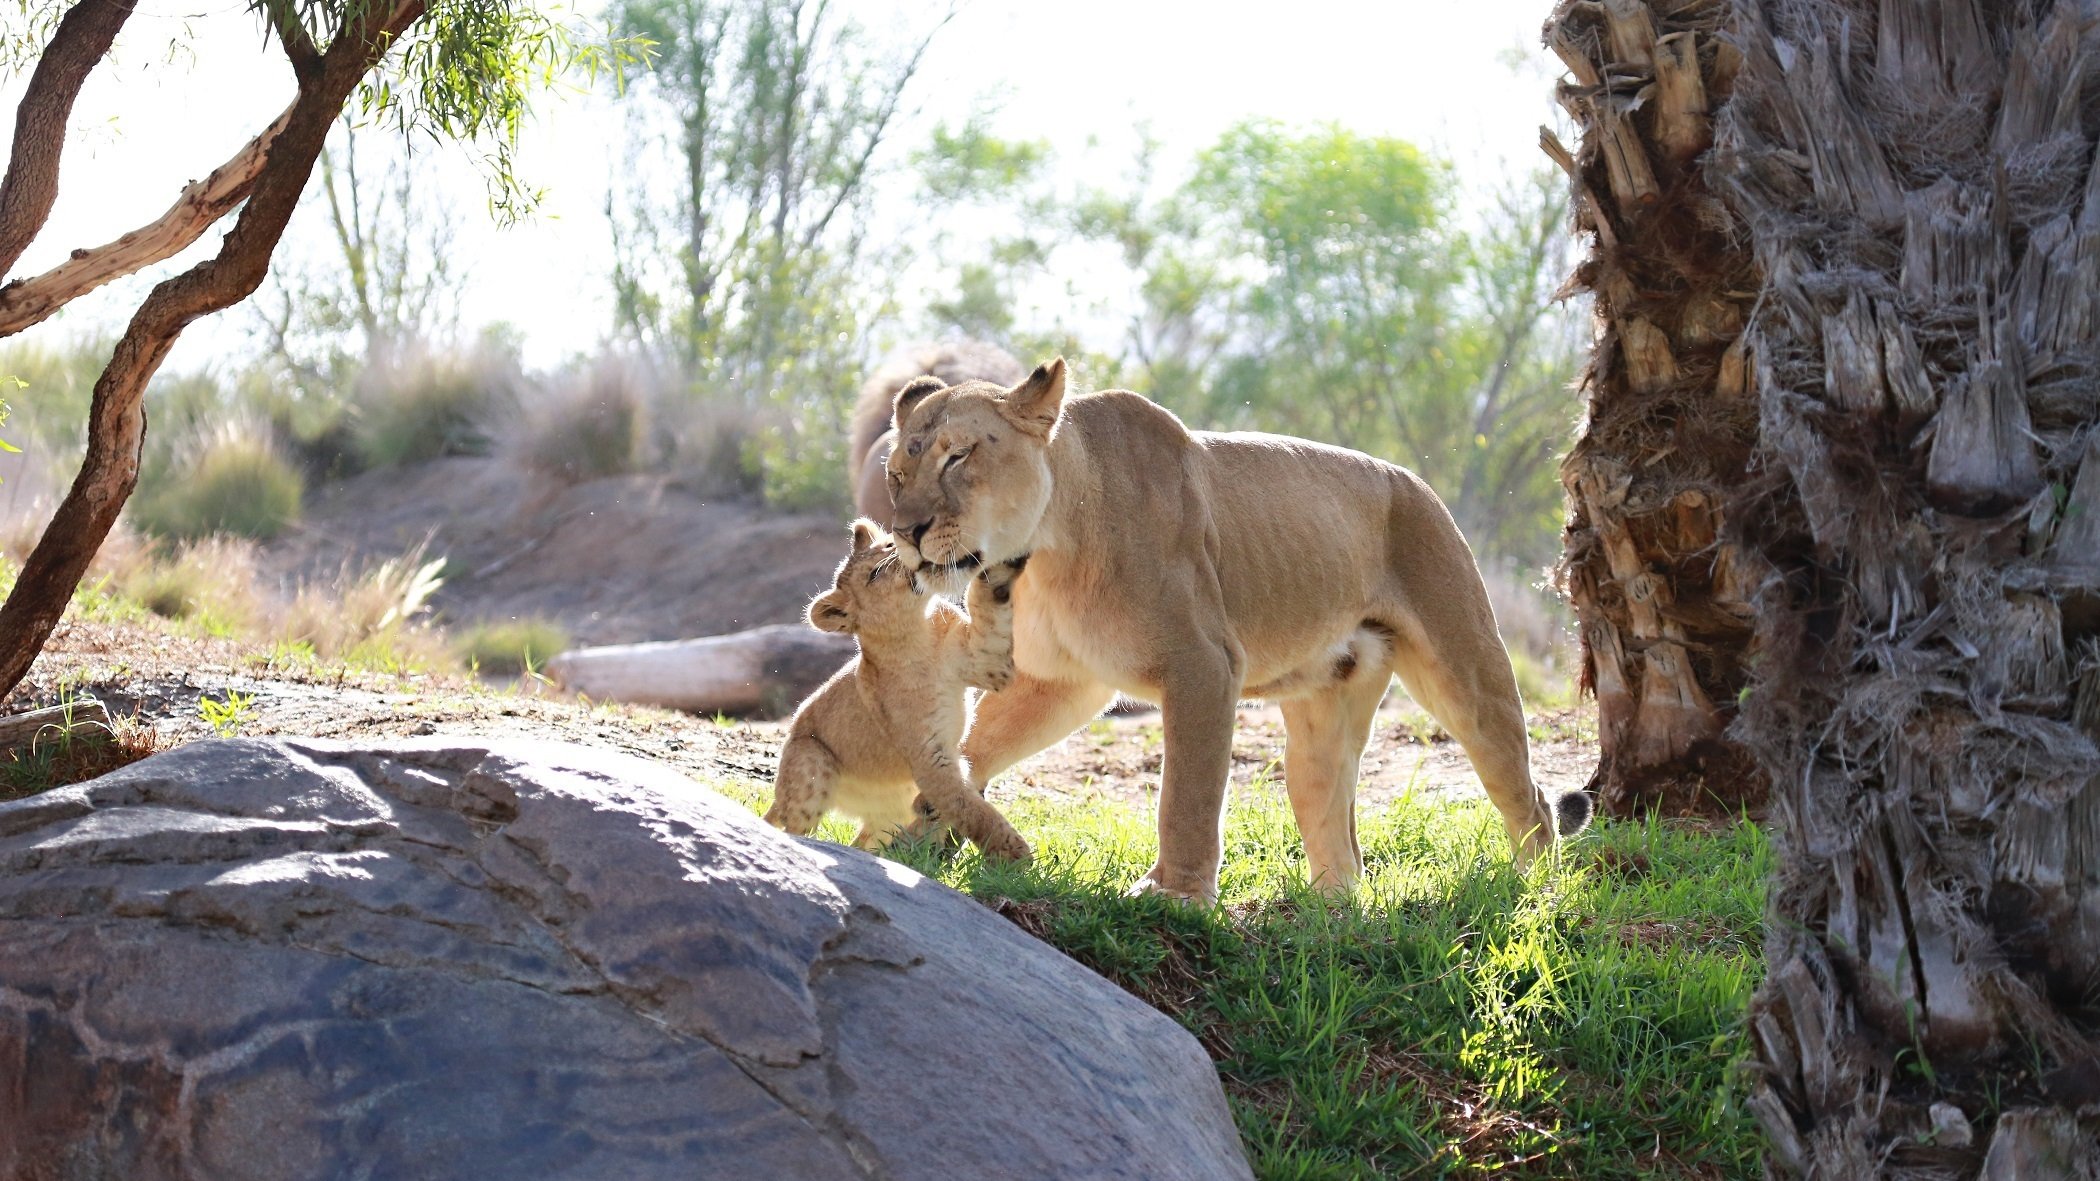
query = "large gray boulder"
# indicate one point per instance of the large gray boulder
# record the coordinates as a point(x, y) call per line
point(440, 959)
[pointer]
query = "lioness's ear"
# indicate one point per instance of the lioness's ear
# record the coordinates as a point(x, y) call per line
point(827, 613)
point(1033, 405)
point(910, 396)
point(867, 534)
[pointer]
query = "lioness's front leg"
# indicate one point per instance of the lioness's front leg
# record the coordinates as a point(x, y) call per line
point(1200, 690)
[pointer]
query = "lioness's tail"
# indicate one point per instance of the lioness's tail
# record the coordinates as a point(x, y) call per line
point(1571, 812)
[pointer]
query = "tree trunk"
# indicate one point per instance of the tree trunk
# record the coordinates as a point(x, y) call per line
point(1660, 596)
point(117, 416)
point(1918, 181)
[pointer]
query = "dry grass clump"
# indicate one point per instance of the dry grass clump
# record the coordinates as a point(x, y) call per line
point(373, 618)
point(589, 423)
point(209, 581)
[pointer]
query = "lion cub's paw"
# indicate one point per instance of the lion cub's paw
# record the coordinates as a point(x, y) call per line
point(999, 577)
point(1007, 845)
point(996, 677)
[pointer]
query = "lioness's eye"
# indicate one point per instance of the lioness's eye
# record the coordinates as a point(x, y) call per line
point(955, 457)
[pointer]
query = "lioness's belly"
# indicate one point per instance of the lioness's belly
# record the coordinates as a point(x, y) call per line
point(1096, 646)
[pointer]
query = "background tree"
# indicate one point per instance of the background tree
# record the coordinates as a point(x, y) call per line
point(750, 266)
point(454, 67)
point(1661, 597)
point(1320, 283)
point(386, 283)
point(1918, 181)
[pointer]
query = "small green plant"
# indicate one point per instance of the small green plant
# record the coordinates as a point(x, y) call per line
point(510, 648)
point(226, 717)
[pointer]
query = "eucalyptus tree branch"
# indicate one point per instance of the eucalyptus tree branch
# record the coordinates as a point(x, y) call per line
point(83, 38)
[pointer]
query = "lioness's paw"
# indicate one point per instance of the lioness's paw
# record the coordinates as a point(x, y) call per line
point(1196, 897)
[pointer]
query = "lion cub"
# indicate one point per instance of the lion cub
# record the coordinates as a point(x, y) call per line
point(889, 725)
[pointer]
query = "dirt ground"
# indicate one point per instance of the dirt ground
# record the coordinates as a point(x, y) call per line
point(614, 560)
point(159, 676)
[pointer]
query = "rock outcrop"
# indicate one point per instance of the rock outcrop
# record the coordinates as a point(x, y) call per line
point(441, 959)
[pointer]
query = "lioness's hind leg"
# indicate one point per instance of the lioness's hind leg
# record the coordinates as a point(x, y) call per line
point(1461, 675)
point(1324, 735)
point(802, 791)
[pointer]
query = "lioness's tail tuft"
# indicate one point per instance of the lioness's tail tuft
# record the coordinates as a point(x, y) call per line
point(1571, 812)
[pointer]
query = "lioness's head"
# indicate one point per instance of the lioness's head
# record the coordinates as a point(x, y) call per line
point(871, 589)
point(970, 474)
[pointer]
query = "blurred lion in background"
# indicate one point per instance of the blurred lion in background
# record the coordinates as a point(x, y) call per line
point(868, 446)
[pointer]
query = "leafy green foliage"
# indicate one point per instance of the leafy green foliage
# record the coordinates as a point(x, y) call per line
point(226, 717)
point(1321, 283)
point(1453, 1019)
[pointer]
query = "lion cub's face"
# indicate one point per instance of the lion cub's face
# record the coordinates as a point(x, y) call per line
point(969, 475)
point(872, 591)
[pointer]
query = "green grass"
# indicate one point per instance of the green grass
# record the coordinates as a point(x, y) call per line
point(1453, 1020)
point(511, 647)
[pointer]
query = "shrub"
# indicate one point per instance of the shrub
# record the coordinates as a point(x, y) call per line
point(210, 582)
point(590, 424)
point(426, 404)
point(235, 483)
point(369, 618)
point(509, 647)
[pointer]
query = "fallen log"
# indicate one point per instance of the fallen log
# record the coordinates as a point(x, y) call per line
point(53, 723)
point(764, 672)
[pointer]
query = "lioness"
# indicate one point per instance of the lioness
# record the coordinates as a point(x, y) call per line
point(1194, 569)
point(894, 714)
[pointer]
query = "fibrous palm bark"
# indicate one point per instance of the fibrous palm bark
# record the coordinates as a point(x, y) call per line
point(1659, 593)
point(1918, 181)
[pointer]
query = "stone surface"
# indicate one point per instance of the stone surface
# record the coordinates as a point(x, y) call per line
point(440, 959)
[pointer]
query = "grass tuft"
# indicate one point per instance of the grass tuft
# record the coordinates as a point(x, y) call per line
point(1452, 1019)
point(235, 484)
point(74, 755)
point(509, 648)
point(422, 405)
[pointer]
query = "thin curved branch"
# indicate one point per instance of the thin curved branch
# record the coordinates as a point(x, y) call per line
point(82, 39)
point(26, 302)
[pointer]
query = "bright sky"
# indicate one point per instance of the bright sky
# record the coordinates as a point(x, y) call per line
point(189, 83)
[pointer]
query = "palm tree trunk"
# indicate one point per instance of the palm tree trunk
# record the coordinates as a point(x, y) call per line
point(1917, 179)
point(1659, 593)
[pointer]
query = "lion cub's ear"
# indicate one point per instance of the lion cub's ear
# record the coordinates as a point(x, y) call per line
point(1033, 404)
point(910, 396)
point(867, 535)
point(828, 613)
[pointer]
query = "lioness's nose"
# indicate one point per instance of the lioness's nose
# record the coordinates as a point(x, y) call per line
point(916, 532)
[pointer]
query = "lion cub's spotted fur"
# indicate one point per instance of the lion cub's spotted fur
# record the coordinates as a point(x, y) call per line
point(893, 718)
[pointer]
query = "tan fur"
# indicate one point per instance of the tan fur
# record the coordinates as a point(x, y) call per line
point(868, 441)
point(889, 724)
point(1195, 569)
